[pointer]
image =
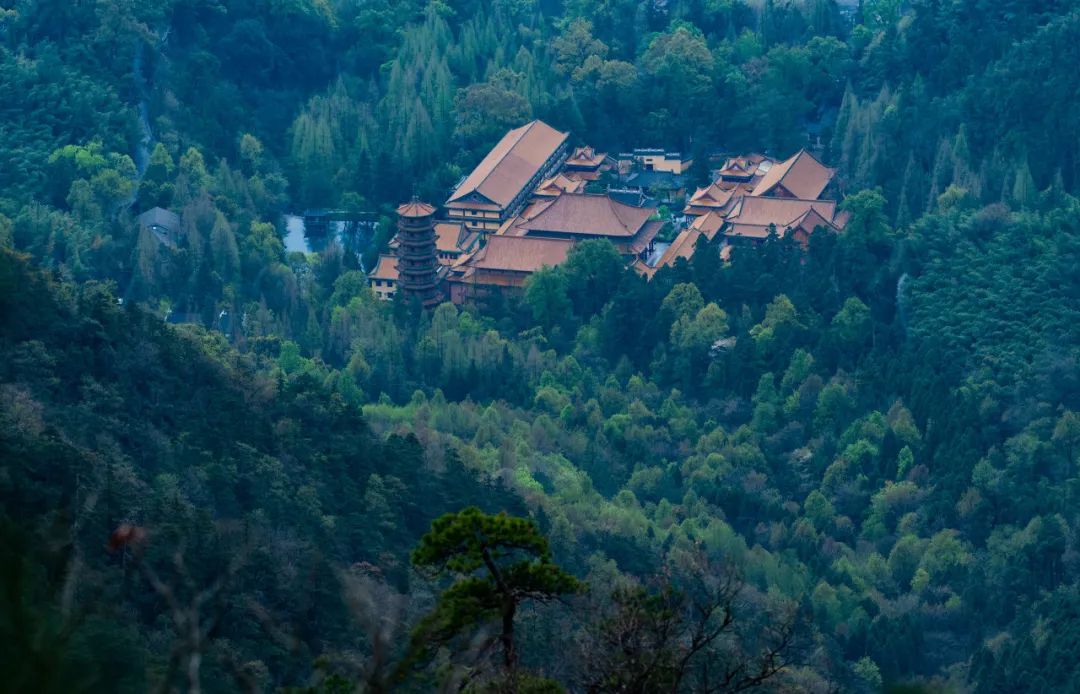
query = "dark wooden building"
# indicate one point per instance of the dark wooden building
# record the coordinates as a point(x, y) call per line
point(418, 265)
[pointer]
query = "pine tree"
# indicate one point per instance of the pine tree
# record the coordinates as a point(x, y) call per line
point(941, 176)
point(837, 147)
point(903, 206)
point(498, 563)
point(1024, 191)
point(224, 249)
point(963, 173)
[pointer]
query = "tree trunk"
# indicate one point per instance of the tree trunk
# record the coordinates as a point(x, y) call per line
point(193, 664)
point(195, 657)
point(509, 607)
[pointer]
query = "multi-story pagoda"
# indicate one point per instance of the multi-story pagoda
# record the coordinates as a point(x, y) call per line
point(417, 257)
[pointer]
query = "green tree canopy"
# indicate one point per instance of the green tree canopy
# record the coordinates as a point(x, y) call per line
point(545, 293)
point(497, 563)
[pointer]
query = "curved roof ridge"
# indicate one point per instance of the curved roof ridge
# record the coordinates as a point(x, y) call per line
point(415, 208)
point(615, 205)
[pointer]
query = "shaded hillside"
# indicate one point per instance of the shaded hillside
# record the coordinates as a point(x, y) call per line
point(110, 416)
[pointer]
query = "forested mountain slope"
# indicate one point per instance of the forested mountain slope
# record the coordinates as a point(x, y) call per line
point(109, 417)
point(876, 434)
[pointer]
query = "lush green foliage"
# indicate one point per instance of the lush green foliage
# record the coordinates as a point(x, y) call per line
point(500, 561)
point(110, 416)
point(878, 431)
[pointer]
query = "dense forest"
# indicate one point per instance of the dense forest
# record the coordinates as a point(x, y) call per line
point(851, 466)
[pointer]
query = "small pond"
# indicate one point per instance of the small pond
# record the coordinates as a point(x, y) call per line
point(351, 236)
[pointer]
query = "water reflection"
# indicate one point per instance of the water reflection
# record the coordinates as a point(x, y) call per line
point(353, 237)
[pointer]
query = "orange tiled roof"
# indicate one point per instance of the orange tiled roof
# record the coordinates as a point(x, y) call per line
point(507, 228)
point(802, 175)
point(682, 247)
point(747, 165)
point(474, 205)
point(778, 211)
point(638, 243)
point(415, 208)
point(534, 209)
point(519, 253)
point(452, 236)
point(511, 226)
point(713, 195)
point(385, 269)
point(559, 184)
point(708, 224)
point(734, 169)
point(586, 156)
point(812, 220)
point(752, 216)
point(587, 215)
point(720, 195)
point(517, 157)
